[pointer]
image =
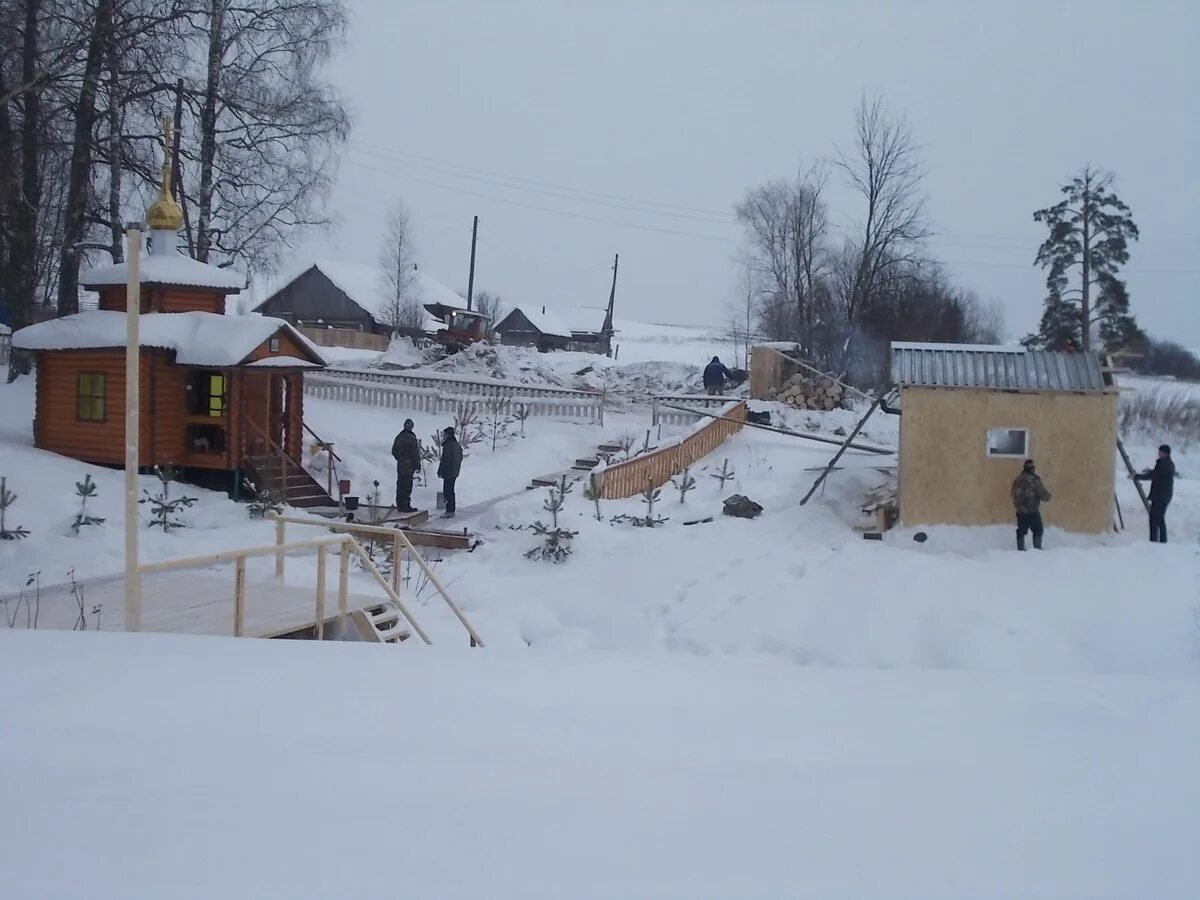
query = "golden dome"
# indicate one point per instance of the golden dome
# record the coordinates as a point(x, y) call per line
point(164, 214)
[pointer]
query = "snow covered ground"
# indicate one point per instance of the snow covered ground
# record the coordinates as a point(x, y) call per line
point(160, 766)
point(732, 708)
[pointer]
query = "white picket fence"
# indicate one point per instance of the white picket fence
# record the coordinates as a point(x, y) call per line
point(462, 386)
point(589, 408)
point(705, 402)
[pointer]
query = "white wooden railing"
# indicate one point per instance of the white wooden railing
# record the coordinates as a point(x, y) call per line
point(589, 408)
point(346, 547)
point(665, 416)
point(398, 542)
point(458, 384)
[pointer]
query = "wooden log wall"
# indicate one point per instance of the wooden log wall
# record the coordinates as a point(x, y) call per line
point(425, 400)
point(625, 479)
point(344, 337)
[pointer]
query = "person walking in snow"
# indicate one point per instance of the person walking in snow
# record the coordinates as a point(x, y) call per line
point(407, 453)
point(715, 376)
point(1162, 488)
point(1028, 495)
point(449, 468)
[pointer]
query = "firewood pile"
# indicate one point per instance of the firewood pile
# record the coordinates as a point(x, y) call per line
point(818, 392)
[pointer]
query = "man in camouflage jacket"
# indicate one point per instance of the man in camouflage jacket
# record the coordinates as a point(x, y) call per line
point(1028, 494)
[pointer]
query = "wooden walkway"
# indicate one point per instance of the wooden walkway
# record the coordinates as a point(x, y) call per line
point(192, 602)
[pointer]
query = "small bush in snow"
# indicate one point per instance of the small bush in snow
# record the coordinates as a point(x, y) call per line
point(467, 427)
point(266, 501)
point(520, 413)
point(85, 490)
point(81, 604)
point(1160, 413)
point(164, 512)
point(594, 492)
point(497, 422)
point(725, 474)
point(556, 546)
point(650, 497)
point(683, 483)
point(33, 605)
point(7, 499)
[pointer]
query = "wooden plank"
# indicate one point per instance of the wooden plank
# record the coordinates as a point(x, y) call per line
point(849, 441)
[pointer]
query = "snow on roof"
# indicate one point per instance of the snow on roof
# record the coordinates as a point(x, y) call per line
point(995, 366)
point(173, 269)
point(581, 319)
point(544, 320)
point(362, 285)
point(197, 338)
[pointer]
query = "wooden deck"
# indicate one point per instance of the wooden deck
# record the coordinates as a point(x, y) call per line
point(193, 602)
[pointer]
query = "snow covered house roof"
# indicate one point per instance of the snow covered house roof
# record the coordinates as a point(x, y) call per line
point(197, 338)
point(543, 319)
point(171, 269)
point(362, 286)
point(582, 319)
point(995, 367)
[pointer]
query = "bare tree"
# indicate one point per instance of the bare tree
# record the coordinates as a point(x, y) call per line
point(268, 127)
point(491, 305)
point(786, 228)
point(884, 168)
point(401, 307)
point(741, 313)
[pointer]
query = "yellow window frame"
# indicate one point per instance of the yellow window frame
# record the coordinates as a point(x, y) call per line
point(89, 394)
point(216, 395)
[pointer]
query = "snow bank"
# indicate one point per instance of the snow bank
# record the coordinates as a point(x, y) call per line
point(156, 766)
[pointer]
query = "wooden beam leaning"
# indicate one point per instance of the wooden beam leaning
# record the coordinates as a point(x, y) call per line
point(821, 478)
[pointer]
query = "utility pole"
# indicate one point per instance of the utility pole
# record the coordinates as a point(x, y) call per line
point(607, 330)
point(471, 277)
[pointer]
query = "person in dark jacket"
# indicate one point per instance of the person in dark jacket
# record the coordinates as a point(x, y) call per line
point(715, 376)
point(1162, 488)
point(1028, 495)
point(407, 453)
point(449, 468)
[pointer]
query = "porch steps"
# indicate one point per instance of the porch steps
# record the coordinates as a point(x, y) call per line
point(298, 489)
point(380, 624)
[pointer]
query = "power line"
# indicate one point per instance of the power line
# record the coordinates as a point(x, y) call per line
point(719, 214)
point(714, 237)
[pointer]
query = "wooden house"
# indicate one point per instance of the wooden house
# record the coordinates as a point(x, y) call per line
point(533, 327)
point(220, 396)
point(971, 415)
point(349, 296)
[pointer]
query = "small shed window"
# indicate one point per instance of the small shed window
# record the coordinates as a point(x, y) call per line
point(206, 394)
point(90, 396)
point(274, 345)
point(1004, 442)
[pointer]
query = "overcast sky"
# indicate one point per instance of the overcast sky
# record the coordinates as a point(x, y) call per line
point(578, 130)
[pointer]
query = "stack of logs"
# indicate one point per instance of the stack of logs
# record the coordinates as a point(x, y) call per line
point(817, 393)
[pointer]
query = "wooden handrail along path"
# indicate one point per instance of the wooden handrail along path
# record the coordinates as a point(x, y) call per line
point(653, 470)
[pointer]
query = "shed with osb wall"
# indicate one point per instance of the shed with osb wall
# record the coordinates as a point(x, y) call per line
point(971, 415)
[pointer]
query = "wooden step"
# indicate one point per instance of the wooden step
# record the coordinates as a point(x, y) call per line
point(554, 478)
point(610, 448)
point(586, 462)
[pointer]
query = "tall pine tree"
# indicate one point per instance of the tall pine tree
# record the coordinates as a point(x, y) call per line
point(1090, 229)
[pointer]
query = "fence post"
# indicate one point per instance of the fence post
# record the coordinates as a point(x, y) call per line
point(239, 596)
point(396, 564)
point(280, 525)
point(321, 554)
point(343, 579)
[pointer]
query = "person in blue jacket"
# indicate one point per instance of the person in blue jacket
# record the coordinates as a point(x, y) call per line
point(715, 376)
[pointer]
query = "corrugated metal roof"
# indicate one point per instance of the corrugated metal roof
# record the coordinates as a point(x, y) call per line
point(996, 367)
